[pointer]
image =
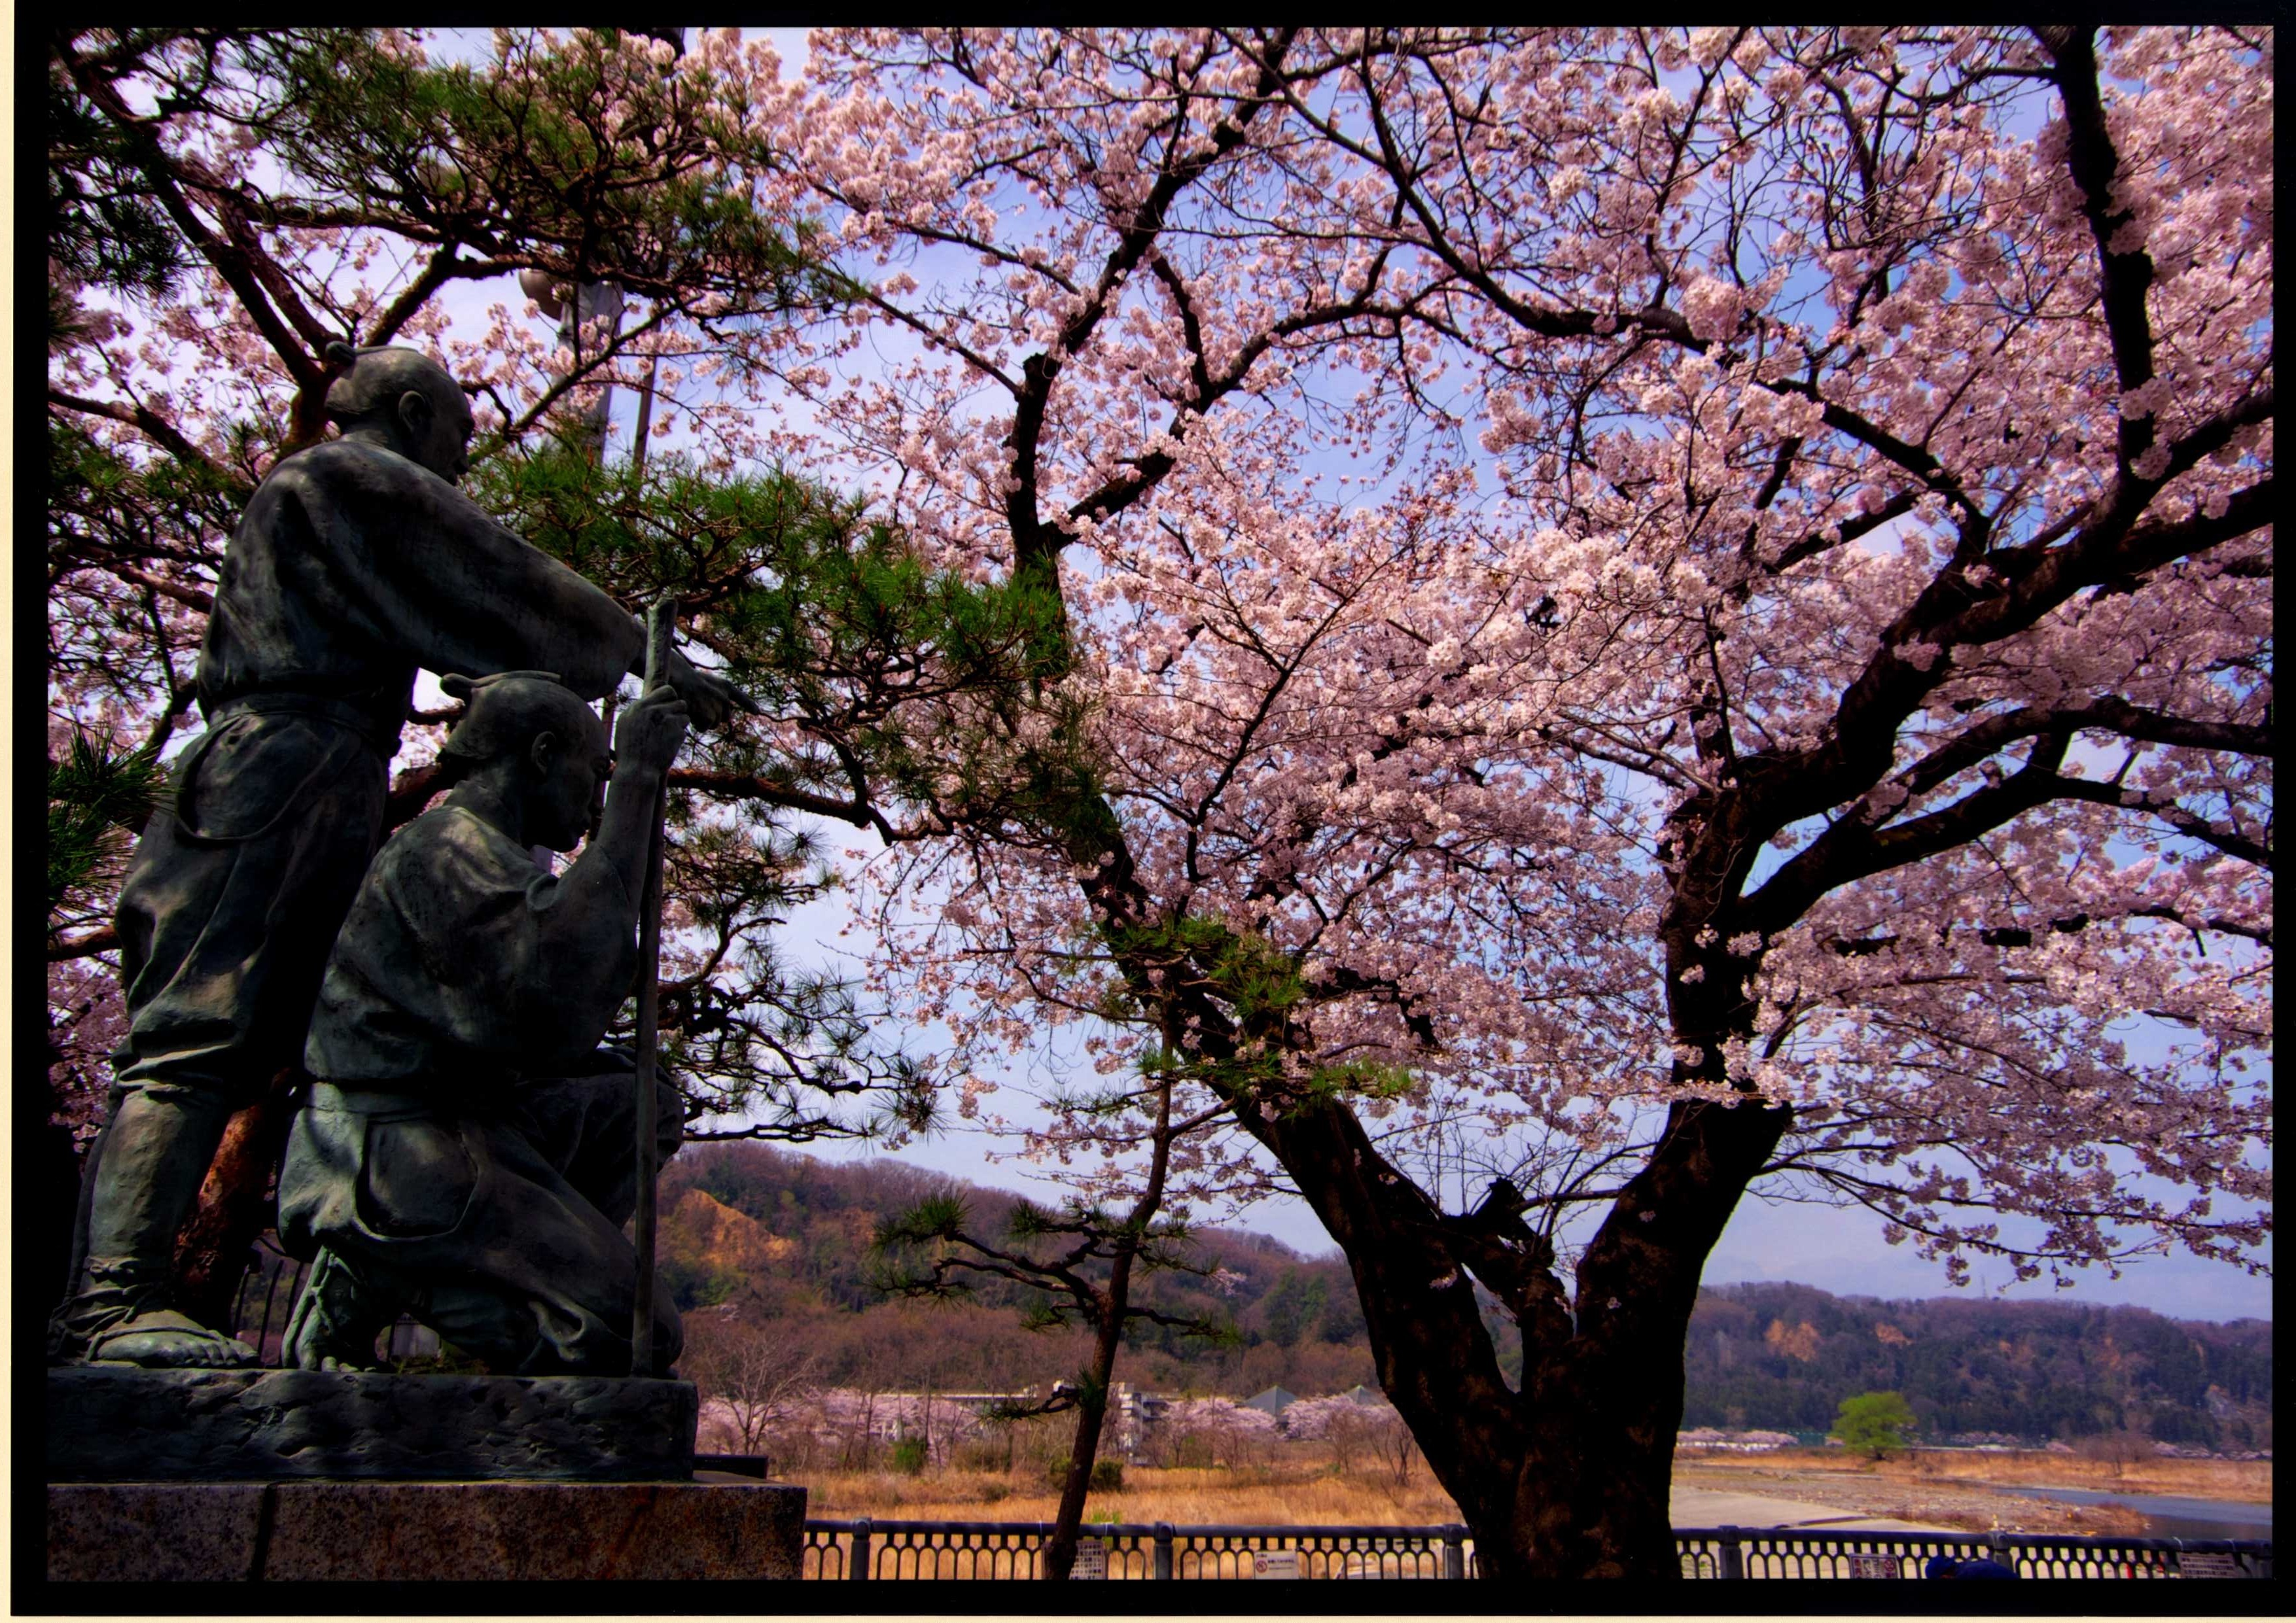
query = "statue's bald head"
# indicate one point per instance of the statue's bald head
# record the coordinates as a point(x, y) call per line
point(506, 713)
point(529, 748)
point(403, 399)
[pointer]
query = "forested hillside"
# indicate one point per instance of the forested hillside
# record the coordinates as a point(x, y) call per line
point(787, 1237)
point(1785, 1356)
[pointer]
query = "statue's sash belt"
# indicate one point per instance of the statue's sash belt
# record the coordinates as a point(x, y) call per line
point(181, 799)
point(381, 734)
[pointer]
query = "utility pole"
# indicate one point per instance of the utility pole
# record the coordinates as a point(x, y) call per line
point(595, 307)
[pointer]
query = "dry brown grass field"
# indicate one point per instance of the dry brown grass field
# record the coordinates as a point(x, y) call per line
point(1247, 1494)
point(1944, 1490)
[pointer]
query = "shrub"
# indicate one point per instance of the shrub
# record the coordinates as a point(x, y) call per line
point(985, 1455)
point(1107, 1475)
point(909, 1456)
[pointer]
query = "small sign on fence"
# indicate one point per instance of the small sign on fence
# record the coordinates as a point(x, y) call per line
point(1091, 1559)
point(2214, 1563)
point(1275, 1563)
point(1874, 1566)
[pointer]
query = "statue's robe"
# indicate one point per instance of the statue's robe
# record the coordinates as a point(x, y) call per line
point(351, 568)
point(466, 1149)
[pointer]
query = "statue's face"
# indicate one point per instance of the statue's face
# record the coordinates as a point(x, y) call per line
point(570, 797)
point(436, 425)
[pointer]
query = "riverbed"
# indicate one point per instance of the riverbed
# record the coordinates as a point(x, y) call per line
point(2166, 1515)
point(1983, 1507)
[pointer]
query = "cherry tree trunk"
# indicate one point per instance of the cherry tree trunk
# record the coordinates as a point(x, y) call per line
point(235, 1206)
point(1567, 1475)
point(1590, 1496)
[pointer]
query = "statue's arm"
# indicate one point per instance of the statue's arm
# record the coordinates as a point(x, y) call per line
point(586, 919)
point(553, 620)
point(424, 570)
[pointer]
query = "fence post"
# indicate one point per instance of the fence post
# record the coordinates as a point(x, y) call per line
point(1455, 1551)
point(860, 1551)
point(1162, 1551)
point(1731, 1562)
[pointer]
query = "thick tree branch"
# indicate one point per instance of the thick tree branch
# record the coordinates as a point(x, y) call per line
point(231, 261)
point(1852, 848)
point(191, 597)
point(162, 432)
point(2110, 714)
point(751, 786)
point(1033, 546)
point(2189, 824)
point(2124, 271)
point(102, 940)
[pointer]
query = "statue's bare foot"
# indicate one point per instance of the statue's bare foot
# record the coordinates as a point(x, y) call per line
point(164, 1338)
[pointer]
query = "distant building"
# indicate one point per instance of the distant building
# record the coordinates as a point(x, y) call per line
point(1709, 1440)
point(1136, 1414)
point(1274, 1400)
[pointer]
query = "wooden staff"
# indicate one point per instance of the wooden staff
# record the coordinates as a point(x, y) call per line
point(662, 618)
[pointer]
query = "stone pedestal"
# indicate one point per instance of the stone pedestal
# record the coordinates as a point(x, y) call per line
point(384, 1531)
point(132, 1425)
point(297, 1475)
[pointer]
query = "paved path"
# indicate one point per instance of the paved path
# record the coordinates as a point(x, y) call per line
point(1702, 1507)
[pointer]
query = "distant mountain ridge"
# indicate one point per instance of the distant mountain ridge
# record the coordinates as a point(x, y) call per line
point(786, 1237)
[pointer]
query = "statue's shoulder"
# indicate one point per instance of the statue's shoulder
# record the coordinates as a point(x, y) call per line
point(326, 458)
point(452, 843)
point(351, 464)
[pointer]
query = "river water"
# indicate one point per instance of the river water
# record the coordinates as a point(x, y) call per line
point(2168, 1516)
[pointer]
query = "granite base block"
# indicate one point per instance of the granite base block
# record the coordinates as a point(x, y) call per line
point(200, 1532)
point(382, 1531)
point(117, 1424)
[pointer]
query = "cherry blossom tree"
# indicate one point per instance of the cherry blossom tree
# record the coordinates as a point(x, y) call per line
point(1631, 615)
point(846, 1423)
point(754, 1384)
point(1349, 1425)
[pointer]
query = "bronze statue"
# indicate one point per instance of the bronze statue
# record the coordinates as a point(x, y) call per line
point(355, 562)
point(465, 1153)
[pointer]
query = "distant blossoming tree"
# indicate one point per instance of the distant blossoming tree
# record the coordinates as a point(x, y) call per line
point(1352, 1426)
point(1214, 1429)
